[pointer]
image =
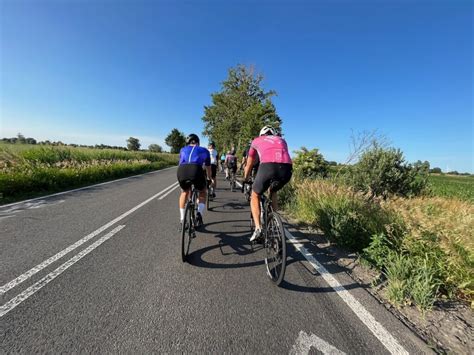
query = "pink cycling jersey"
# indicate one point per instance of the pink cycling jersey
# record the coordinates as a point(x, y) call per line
point(270, 149)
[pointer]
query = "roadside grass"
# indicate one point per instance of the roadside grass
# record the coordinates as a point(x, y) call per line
point(28, 171)
point(461, 187)
point(423, 246)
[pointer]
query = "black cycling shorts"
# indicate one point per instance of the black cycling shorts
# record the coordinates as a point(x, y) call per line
point(232, 167)
point(274, 174)
point(213, 170)
point(191, 174)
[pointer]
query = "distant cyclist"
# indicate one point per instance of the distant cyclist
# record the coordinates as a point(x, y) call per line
point(256, 161)
point(230, 163)
point(213, 152)
point(222, 162)
point(190, 172)
point(275, 167)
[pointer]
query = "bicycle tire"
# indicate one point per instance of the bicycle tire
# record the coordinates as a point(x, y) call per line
point(208, 198)
point(186, 232)
point(275, 243)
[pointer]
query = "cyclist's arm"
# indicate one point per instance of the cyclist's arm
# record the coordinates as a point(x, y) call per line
point(248, 167)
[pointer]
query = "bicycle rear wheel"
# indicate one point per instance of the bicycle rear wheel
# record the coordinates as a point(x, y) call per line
point(275, 248)
point(208, 198)
point(187, 229)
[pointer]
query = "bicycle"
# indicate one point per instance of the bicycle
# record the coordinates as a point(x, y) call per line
point(274, 240)
point(188, 229)
point(210, 194)
point(232, 180)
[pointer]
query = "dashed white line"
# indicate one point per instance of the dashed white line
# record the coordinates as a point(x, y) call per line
point(14, 302)
point(390, 343)
point(8, 286)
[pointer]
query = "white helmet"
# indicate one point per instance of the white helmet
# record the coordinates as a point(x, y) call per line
point(268, 130)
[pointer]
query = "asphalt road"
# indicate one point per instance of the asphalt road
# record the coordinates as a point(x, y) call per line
point(99, 270)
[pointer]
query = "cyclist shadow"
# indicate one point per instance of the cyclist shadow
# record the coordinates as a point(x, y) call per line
point(229, 244)
point(307, 273)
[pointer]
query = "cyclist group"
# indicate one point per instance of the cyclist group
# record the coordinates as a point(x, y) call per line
point(267, 160)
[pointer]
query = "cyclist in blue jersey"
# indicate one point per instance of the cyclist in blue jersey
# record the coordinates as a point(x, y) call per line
point(190, 172)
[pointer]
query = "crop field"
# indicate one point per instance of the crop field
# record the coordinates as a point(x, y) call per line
point(29, 170)
point(461, 187)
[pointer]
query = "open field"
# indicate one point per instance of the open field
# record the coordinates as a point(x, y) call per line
point(29, 170)
point(461, 187)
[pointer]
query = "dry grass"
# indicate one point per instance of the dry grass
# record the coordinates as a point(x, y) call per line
point(436, 234)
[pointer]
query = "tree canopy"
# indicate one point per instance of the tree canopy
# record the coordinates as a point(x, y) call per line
point(239, 110)
point(175, 140)
point(133, 143)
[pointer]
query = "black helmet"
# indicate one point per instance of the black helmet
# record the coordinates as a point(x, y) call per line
point(192, 138)
point(212, 144)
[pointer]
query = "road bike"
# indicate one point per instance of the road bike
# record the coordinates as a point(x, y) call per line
point(210, 194)
point(232, 180)
point(188, 228)
point(274, 240)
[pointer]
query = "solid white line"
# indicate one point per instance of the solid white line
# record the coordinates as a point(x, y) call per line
point(7, 307)
point(83, 188)
point(392, 345)
point(305, 342)
point(8, 286)
point(170, 191)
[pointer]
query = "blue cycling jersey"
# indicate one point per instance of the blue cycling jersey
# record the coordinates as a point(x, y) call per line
point(194, 155)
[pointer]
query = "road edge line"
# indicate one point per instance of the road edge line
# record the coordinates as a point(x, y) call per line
point(382, 334)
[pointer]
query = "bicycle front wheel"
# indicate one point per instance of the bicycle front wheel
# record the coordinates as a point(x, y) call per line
point(275, 248)
point(187, 229)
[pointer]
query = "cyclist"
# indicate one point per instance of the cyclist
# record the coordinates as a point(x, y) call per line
point(231, 164)
point(222, 162)
point(213, 153)
point(275, 169)
point(245, 158)
point(190, 172)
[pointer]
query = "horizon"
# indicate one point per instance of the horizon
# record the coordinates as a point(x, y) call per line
point(90, 73)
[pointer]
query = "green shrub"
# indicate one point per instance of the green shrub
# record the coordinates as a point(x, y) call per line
point(383, 172)
point(345, 216)
point(309, 164)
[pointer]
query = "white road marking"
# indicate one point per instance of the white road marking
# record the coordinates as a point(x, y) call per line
point(170, 191)
point(305, 342)
point(7, 307)
point(83, 188)
point(392, 345)
point(8, 286)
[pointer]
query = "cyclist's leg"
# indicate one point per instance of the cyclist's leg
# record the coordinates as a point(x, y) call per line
point(185, 175)
point(214, 174)
point(260, 185)
point(200, 184)
point(282, 176)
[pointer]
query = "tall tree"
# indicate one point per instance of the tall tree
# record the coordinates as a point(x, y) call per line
point(239, 110)
point(133, 143)
point(175, 140)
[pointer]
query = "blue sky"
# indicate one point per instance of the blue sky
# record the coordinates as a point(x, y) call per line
point(101, 71)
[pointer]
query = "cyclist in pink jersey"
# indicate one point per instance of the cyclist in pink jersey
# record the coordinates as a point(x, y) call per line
point(275, 169)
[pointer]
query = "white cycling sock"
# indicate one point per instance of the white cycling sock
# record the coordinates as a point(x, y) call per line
point(181, 213)
point(201, 207)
